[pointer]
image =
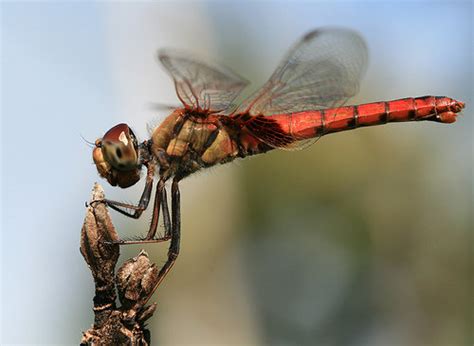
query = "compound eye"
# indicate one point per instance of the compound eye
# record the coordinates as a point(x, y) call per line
point(118, 152)
point(119, 148)
point(133, 137)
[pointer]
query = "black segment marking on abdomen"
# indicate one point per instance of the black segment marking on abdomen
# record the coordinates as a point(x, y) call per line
point(354, 122)
point(322, 130)
point(412, 111)
point(384, 116)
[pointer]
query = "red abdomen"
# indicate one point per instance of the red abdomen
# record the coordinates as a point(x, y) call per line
point(309, 124)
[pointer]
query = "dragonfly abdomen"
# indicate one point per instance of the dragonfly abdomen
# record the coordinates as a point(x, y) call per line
point(433, 108)
point(310, 124)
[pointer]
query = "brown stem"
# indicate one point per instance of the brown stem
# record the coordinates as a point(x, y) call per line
point(134, 281)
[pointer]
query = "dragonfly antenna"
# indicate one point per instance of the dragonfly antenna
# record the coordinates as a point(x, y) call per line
point(91, 144)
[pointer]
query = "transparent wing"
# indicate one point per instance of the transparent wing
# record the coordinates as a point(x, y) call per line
point(322, 70)
point(201, 86)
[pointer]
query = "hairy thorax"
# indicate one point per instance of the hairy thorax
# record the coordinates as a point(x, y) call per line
point(187, 141)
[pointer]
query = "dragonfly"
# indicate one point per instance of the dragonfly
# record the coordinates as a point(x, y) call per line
point(301, 102)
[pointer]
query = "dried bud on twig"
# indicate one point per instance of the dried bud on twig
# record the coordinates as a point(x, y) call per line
point(135, 281)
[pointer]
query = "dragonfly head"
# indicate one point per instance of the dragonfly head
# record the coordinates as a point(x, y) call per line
point(116, 156)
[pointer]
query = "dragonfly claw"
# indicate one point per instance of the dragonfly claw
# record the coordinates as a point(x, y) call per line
point(95, 201)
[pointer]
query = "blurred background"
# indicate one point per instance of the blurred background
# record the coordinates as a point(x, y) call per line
point(362, 239)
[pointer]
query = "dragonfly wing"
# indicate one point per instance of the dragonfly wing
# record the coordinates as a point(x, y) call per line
point(199, 85)
point(320, 71)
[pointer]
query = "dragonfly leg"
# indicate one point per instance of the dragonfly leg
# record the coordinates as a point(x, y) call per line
point(144, 199)
point(161, 200)
point(173, 250)
point(176, 221)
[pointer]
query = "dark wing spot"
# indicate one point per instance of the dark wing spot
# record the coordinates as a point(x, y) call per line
point(269, 131)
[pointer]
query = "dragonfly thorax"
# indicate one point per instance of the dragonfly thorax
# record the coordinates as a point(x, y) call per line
point(186, 142)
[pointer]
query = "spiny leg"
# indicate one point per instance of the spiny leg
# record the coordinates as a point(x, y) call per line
point(144, 199)
point(161, 199)
point(156, 211)
point(173, 250)
point(176, 222)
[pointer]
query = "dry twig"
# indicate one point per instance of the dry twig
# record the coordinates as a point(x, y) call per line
point(135, 280)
